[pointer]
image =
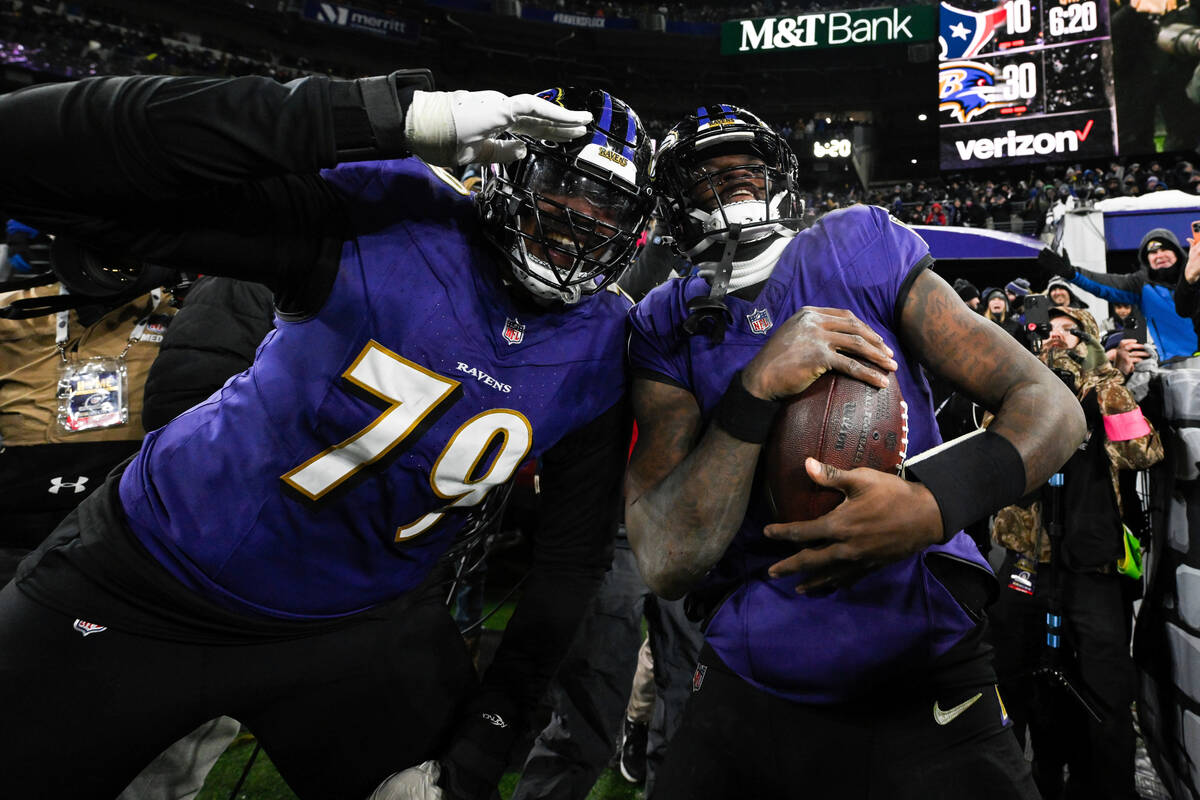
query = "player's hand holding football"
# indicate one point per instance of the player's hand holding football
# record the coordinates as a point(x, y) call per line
point(812, 342)
point(883, 519)
point(452, 128)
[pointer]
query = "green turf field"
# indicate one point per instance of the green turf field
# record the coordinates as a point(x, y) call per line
point(264, 783)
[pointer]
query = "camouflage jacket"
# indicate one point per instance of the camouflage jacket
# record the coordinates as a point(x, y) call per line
point(1021, 528)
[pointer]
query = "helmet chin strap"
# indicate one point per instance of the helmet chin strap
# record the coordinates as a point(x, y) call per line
point(710, 310)
point(727, 276)
point(758, 267)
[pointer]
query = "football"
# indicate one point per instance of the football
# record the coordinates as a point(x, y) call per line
point(840, 421)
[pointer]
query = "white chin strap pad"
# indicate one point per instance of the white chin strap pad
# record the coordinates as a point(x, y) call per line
point(742, 213)
point(753, 270)
point(542, 270)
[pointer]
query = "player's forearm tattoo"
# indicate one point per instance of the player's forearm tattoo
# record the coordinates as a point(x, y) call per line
point(1034, 409)
point(686, 492)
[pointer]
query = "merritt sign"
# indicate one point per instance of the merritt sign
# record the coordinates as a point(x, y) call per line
point(830, 29)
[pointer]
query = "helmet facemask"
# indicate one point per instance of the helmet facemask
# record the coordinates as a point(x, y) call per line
point(729, 193)
point(741, 174)
point(567, 216)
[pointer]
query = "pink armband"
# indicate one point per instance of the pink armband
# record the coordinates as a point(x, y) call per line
point(1123, 427)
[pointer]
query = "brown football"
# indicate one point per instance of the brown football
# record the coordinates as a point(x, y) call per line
point(840, 421)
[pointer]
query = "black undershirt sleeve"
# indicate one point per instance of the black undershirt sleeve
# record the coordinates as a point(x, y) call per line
point(581, 482)
point(218, 176)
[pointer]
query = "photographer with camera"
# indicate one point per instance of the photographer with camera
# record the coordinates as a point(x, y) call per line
point(1068, 553)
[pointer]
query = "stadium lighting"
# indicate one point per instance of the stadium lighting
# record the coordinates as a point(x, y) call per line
point(922, 117)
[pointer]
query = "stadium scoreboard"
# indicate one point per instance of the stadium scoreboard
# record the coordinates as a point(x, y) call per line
point(1025, 81)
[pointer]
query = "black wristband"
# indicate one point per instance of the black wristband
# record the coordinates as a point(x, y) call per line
point(970, 477)
point(744, 416)
point(368, 114)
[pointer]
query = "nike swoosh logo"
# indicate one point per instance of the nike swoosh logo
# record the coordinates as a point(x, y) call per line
point(946, 717)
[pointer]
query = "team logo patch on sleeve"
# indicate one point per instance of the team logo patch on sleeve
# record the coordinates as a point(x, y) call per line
point(760, 320)
point(514, 331)
point(86, 628)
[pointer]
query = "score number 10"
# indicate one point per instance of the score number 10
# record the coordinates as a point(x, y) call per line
point(1079, 17)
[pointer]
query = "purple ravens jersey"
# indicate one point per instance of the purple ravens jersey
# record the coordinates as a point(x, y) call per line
point(331, 475)
point(805, 648)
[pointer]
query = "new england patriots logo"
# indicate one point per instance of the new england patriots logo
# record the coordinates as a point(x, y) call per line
point(968, 88)
point(964, 34)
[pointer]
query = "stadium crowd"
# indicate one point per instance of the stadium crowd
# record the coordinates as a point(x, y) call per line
point(1014, 200)
point(108, 41)
point(698, 12)
point(1019, 200)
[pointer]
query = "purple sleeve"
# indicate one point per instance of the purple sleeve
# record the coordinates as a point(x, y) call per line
point(380, 193)
point(887, 261)
point(656, 347)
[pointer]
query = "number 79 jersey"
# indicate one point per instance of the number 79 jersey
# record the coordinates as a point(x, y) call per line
point(331, 475)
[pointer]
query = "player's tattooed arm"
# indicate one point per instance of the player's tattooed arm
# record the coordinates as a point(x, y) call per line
point(685, 494)
point(1034, 410)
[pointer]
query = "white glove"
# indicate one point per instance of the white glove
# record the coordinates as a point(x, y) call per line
point(452, 128)
point(414, 783)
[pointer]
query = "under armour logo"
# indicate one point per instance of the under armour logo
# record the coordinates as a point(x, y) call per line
point(78, 485)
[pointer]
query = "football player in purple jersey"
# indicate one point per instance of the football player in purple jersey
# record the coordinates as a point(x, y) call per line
point(280, 553)
point(843, 656)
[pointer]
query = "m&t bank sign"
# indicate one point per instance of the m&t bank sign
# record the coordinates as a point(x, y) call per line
point(830, 29)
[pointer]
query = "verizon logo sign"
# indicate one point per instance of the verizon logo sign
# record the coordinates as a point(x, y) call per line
point(1015, 144)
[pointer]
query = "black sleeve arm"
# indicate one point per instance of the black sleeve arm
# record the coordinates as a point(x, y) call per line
point(581, 502)
point(572, 549)
point(213, 337)
point(1187, 298)
point(210, 175)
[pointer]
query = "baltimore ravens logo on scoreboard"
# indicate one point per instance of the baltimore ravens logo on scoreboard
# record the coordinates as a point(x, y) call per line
point(968, 88)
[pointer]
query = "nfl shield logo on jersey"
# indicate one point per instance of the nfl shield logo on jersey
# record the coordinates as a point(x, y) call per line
point(514, 331)
point(88, 628)
point(760, 320)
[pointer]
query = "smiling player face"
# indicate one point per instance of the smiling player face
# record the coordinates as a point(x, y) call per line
point(567, 229)
point(734, 178)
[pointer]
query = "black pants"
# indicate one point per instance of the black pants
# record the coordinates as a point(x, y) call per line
point(739, 741)
point(1096, 659)
point(590, 691)
point(337, 711)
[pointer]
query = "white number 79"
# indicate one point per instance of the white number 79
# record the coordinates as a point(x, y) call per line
point(412, 393)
